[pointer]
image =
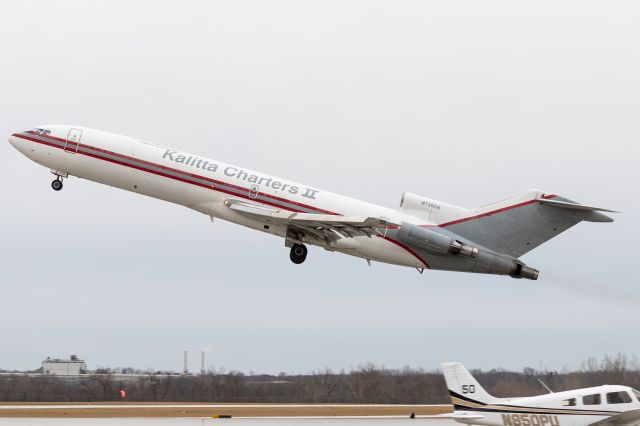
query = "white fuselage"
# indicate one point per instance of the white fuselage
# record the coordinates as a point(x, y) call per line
point(579, 407)
point(203, 184)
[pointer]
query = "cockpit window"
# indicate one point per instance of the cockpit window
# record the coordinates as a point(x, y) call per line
point(41, 131)
point(637, 394)
point(569, 402)
point(594, 399)
point(618, 398)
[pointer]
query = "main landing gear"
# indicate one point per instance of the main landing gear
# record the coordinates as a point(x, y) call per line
point(57, 184)
point(298, 253)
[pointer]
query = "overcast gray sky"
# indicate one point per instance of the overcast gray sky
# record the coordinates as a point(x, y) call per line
point(463, 101)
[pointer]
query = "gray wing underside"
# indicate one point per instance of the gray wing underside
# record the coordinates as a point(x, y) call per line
point(628, 418)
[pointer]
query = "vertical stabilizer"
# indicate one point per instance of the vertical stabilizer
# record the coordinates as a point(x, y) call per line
point(518, 225)
point(465, 391)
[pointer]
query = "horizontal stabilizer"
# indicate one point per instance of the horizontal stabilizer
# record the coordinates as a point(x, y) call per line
point(573, 206)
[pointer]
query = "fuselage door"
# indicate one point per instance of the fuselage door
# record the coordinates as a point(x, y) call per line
point(253, 192)
point(73, 140)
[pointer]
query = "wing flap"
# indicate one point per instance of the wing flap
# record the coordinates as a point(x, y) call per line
point(324, 226)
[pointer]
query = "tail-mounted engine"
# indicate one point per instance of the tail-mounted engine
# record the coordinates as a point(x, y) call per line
point(433, 211)
point(433, 241)
point(441, 242)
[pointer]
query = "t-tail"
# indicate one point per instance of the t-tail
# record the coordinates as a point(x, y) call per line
point(465, 391)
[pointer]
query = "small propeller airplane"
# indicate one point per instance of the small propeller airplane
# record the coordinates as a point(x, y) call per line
point(606, 405)
point(422, 234)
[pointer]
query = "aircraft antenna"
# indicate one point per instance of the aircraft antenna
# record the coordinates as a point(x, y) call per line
point(545, 386)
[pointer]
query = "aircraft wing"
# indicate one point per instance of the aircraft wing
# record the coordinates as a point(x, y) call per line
point(459, 416)
point(463, 415)
point(627, 418)
point(326, 227)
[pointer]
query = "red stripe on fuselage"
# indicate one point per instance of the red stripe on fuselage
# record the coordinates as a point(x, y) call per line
point(149, 163)
point(219, 189)
point(133, 166)
point(492, 212)
point(399, 244)
point(213, 181)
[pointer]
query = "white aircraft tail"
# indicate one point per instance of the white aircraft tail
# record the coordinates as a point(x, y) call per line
point(463, 388)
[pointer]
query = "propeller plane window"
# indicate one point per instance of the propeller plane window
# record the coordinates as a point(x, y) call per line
point(618, 398)
point(594, 399)
point(637, 394)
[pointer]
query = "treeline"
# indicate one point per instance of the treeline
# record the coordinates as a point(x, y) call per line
point(366, 384)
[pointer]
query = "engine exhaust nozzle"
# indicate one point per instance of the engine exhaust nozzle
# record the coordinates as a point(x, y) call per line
point(523, 271)
point(462, 249)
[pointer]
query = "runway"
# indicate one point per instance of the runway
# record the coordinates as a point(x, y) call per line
point(275, 421)
point(199, 410)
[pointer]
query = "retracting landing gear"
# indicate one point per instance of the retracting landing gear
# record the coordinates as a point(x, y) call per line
point(298, 253)
point(57, 184)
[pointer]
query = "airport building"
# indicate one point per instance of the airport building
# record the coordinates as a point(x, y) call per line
point(64, 367)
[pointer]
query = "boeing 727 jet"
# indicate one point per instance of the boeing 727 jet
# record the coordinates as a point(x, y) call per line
point(607, 405)
point(422, 234)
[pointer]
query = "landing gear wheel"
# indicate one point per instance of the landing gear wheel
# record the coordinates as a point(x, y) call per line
point(298, 253)
point(57, 184)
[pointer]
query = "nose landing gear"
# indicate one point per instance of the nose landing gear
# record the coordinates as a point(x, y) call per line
point(57, 184)
point(298, 253)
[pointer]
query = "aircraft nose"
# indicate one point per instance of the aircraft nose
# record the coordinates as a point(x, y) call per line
point(13, 140)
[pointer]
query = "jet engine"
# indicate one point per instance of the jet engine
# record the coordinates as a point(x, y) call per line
point(442, 242)
point(433, 241)
point(431, 210)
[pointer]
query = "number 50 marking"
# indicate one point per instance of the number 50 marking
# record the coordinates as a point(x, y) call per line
point(468, 389)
